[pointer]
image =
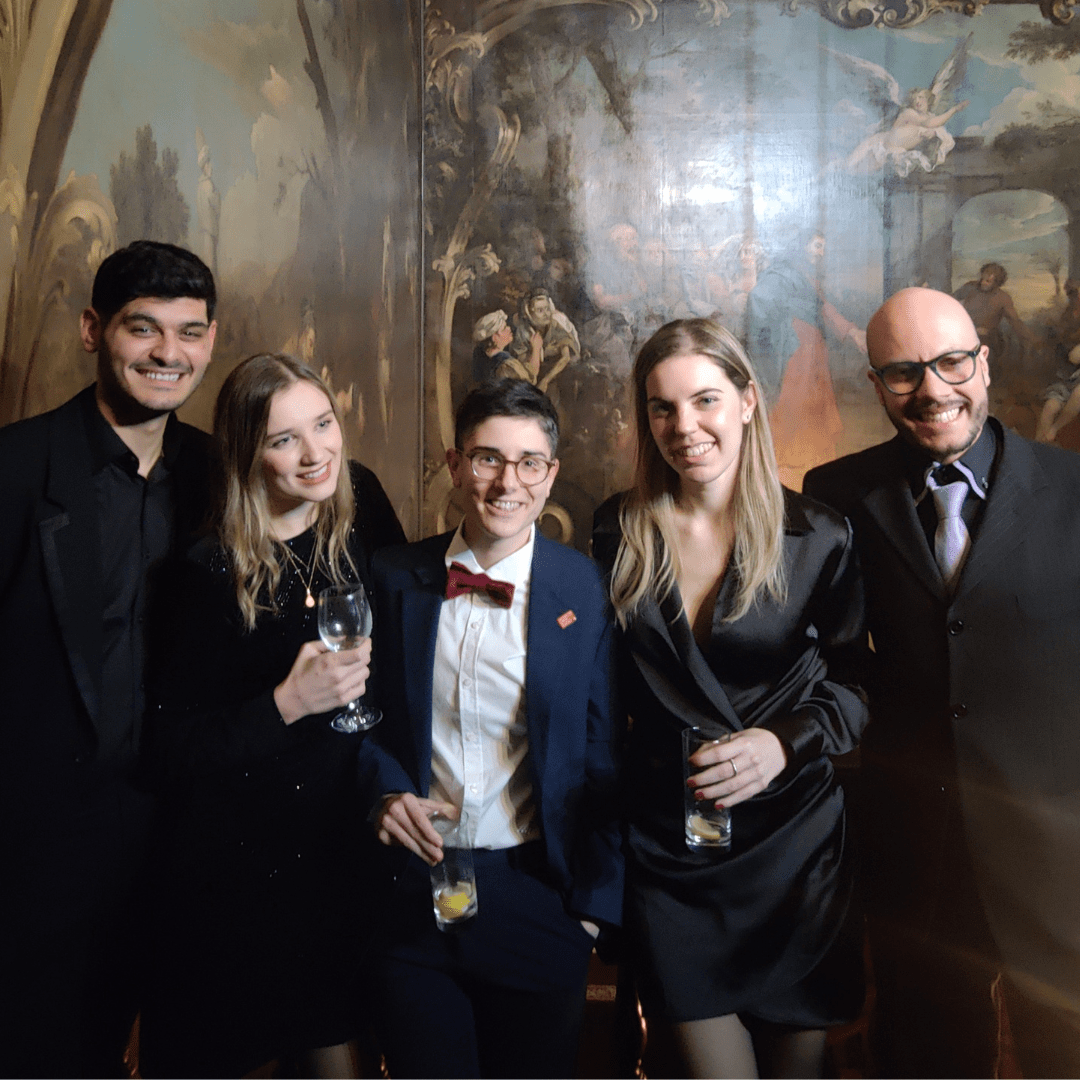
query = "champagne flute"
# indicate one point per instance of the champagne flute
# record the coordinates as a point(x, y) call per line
point(344, 621)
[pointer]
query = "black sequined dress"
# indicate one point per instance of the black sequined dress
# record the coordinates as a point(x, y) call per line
point(259, 925)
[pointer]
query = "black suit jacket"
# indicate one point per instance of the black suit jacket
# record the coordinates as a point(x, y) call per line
point(65, 817)
point(975, 699)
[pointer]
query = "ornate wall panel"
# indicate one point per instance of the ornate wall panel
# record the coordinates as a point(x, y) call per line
point(593, 169)
point(278, 138)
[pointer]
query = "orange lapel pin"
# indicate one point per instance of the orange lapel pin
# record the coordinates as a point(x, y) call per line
point(566, 619)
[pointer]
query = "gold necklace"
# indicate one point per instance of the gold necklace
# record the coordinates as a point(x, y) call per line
point(309, 600)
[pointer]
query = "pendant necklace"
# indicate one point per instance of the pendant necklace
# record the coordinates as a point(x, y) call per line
point(298, 566)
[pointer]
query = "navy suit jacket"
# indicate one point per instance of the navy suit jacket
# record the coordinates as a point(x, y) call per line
point(574, 725)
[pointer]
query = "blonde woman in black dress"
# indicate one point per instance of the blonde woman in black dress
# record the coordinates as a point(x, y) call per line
point(261, 924)
point(740, 608)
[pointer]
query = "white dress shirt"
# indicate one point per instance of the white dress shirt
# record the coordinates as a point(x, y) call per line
point(479, 741)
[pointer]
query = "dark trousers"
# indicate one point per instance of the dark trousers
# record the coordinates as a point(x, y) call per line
point(502, 995)
point(71, 941)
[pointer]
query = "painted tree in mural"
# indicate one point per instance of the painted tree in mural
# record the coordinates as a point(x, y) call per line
point(149, 205)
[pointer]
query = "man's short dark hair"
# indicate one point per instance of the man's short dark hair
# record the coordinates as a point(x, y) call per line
point(997, 270)
point(150, 268)
point(506, 397)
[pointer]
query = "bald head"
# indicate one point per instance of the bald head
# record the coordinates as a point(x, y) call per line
point(919, 326)
point(916, 321)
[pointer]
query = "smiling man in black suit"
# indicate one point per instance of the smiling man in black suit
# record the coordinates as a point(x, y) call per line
point(969, 539)
point(95, 495)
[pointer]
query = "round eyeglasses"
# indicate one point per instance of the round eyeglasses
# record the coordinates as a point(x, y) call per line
point(490, 465)
point(906, 376)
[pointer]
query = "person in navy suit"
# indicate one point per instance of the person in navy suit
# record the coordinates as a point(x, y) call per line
point(493, 660)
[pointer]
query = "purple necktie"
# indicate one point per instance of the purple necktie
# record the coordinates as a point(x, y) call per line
point(951, 540)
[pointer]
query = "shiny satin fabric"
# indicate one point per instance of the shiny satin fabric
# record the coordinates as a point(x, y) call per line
point(767, 929)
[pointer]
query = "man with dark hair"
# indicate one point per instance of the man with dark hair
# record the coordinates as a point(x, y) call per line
point(501, 692)
point(988, 303)
point(95, 496)
point(968, 536)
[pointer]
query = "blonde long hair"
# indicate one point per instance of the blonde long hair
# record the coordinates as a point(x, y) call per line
point(241, 414)
point(647, 560)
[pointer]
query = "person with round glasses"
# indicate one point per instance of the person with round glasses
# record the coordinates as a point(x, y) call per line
point(906, 376)
point(490, 465)
point(968, 536)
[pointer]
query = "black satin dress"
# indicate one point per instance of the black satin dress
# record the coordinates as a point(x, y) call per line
point(767, 929)
point(260, 922)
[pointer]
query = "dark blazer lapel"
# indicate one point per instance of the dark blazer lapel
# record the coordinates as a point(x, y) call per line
point(692, 658)
point(666, 652)
point(419, 628)
point(1016, 483)
point(891, 505)
point(70, 546)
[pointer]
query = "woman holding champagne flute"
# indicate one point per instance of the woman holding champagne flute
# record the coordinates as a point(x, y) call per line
point(739, 604)
point(260, 919)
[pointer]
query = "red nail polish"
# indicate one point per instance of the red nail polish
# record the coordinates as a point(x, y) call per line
point(699, 795)
point(720, 806)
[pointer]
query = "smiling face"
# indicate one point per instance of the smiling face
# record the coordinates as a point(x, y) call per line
point(921, 324)
point(301, 455)
point(697, 417)
point(152, 354)
point(499, 513)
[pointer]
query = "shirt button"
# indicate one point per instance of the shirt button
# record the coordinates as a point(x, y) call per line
point(475, 625)
point(956, 626)
point(473, 788)
point(959, 712)
point(466, 681)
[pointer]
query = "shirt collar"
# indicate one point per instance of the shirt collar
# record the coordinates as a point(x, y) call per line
point(106, 447)
point(515, 568)
point(975, 465)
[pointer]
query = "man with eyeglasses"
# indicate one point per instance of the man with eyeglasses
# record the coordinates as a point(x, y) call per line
point(495, 675)
point(968, 536)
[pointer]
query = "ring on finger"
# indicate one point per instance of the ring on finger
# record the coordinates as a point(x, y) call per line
point(734, 768)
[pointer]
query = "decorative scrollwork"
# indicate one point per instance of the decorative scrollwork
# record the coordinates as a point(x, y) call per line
point(76, 232)
point(897, 14)
point(712, 12)
point(1059, 12)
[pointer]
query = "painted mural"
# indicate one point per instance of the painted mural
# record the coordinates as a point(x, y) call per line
point(416, 194)
point(279, 139)
point(593, 170)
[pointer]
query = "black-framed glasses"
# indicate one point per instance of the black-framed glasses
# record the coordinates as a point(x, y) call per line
point(490, 465)
point(906, 376)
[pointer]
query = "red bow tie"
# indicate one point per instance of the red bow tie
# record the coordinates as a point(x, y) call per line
point(459, 581)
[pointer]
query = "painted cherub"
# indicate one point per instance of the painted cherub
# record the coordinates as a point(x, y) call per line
point(905, 136)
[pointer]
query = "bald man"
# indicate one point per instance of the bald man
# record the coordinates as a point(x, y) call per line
point(969, 538)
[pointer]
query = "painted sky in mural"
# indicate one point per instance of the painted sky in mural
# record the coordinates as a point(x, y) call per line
point(231, 69)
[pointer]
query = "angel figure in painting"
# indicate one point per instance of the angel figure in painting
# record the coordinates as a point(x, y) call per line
point(910, 127)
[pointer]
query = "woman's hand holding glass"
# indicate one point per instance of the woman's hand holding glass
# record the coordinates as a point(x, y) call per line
point(738, 767)
point(405, 820)
point(321, 680)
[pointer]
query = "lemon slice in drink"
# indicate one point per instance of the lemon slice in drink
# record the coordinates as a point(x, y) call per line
point(454, 902)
